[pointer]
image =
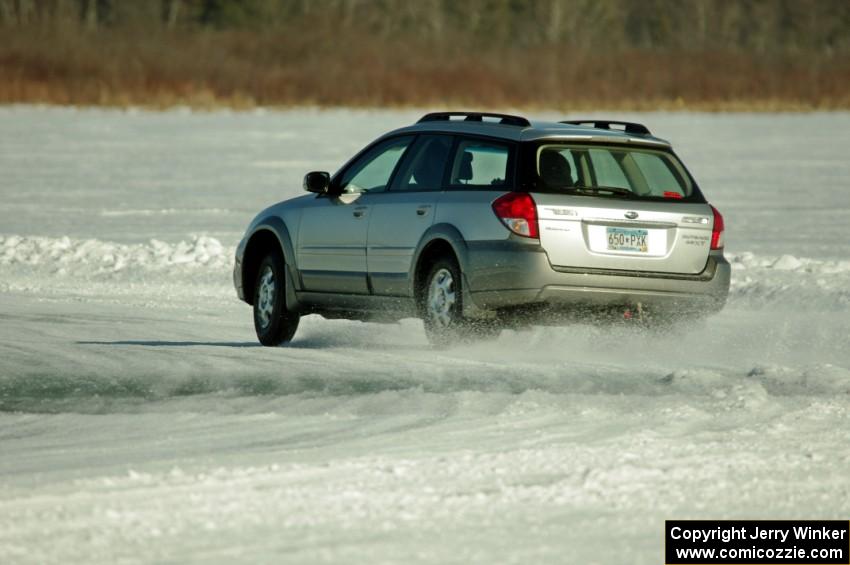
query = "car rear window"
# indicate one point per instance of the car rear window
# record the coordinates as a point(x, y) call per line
point(634, 172)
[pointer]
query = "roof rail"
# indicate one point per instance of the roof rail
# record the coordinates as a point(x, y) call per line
point(630, 127)
point(504, 119)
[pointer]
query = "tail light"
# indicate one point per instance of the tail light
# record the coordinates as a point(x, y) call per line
point(717, 230)
point(518, 212)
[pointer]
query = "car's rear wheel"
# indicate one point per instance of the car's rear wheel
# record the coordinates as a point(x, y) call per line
point(441, 306)
point(274, 324)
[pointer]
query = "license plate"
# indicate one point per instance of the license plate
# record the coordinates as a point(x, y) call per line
point(626, 239)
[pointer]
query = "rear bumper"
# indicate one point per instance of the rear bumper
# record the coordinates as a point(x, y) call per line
point(512, 273)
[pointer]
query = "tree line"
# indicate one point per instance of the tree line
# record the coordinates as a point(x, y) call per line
point(629, 54)
point(757, 26)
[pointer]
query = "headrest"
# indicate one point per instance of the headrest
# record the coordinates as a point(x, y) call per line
point(555, 169)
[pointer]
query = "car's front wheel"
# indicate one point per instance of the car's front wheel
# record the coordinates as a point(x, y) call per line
point(274, 324)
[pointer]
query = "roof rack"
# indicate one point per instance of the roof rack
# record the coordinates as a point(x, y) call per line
point(504, 119)
point(630, 127)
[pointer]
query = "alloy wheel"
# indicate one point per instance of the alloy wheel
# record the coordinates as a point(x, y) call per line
point(266, 296)
point(441, 298)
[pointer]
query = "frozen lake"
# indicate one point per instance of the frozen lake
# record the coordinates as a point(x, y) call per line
point(139, 421)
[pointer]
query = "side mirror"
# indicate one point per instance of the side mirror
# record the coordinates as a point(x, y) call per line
point(317, 181)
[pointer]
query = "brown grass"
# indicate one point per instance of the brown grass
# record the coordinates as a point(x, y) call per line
point(240, 69)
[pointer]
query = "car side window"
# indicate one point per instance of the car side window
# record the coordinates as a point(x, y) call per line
point(426, 164)
point(373, 171)
point(480, 163)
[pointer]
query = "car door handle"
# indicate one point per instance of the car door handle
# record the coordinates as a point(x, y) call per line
point(422, 210)
point(359, 212)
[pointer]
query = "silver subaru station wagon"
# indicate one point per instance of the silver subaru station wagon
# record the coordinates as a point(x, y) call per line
point(475, 221)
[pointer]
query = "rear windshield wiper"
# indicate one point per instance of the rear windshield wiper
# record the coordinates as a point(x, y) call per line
point(597, 189)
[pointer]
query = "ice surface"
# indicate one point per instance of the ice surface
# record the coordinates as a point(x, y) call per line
point(140, 421)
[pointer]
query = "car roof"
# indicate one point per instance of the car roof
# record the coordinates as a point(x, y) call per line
point(515, 128)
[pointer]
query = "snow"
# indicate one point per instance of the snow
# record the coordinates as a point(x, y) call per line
point(92, 257)
point(140, 421)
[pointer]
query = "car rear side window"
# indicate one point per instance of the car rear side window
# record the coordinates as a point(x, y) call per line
point(480, 163)
point(426, 164)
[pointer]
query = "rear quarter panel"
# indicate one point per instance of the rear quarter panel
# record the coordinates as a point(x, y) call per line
point(471, 213)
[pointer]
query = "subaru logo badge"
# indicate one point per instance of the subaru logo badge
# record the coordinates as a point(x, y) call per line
point(631, 215)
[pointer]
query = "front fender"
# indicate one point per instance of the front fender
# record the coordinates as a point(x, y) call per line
point(277, 227)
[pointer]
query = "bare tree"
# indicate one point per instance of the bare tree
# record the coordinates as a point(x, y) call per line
point(7, 12)
point(26, 12)
point(553, 29)
point(90, 14)
point(172, 14)
point(63, 13)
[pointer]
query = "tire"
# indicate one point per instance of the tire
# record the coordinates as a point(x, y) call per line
point(274, 324)
point(441, 307)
